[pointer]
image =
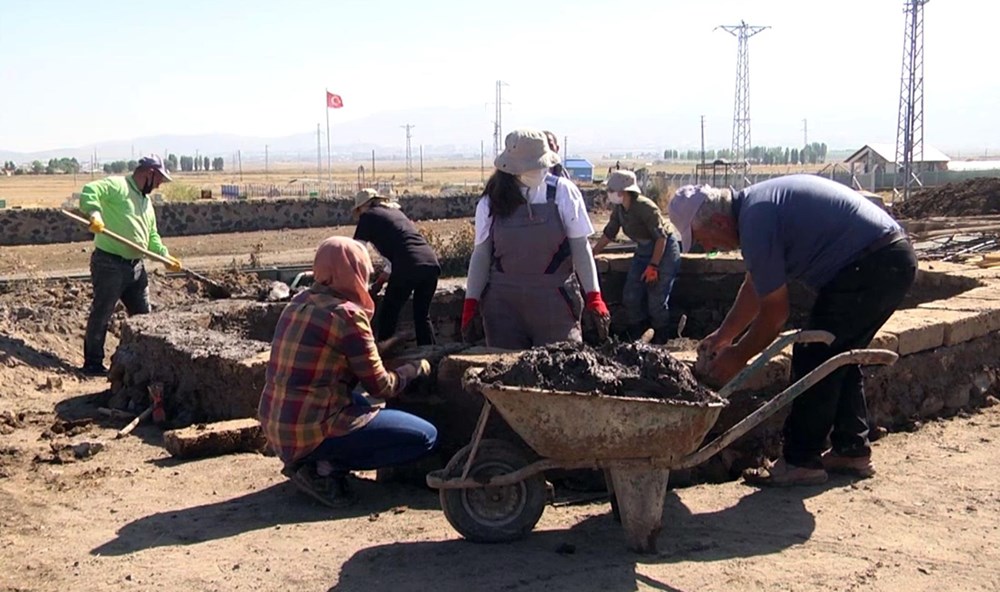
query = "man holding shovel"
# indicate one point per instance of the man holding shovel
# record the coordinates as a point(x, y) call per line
point(122, 205)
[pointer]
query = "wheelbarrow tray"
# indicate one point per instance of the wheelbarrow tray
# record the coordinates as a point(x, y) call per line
point(573, 426)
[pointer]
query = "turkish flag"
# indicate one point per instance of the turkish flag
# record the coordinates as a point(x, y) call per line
point(333, 101)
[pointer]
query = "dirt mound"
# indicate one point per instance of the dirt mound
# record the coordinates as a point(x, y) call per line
point(619, 369)
point(975, 197)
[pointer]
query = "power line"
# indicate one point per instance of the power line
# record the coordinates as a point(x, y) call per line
point(741, 107)
point(910, 126)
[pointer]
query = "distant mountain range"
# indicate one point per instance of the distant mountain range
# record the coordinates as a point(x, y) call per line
point(442, 132)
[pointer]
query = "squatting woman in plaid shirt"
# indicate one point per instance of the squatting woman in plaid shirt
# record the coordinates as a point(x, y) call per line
point(323, 348)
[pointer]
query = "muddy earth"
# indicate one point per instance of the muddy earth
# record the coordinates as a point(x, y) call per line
point(975, 197)
point(617, 369)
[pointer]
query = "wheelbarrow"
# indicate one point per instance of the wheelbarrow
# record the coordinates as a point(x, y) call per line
point(494, 491)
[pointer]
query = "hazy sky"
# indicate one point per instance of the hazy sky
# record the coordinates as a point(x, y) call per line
point(74, 73)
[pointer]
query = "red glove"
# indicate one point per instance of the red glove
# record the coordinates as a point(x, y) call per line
point(596, 304)
point(469, 309)
point(651, 274)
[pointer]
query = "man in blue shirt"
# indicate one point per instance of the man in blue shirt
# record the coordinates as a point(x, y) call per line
point(836, 242)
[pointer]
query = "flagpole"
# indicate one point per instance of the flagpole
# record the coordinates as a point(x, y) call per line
point(329, 161)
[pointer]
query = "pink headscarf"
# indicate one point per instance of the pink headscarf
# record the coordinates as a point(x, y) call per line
point(343, 265)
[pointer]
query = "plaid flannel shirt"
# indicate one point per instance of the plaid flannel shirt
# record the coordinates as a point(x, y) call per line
point(323, 346)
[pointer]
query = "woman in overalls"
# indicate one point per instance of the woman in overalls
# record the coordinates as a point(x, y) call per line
point(531, 245)
point(657, 255)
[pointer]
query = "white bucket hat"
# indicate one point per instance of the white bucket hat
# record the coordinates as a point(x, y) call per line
point(525, 150)
point(622, 181)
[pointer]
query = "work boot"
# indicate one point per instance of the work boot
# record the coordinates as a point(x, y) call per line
point(94, 370)
point(331, 491)
point(855, 466)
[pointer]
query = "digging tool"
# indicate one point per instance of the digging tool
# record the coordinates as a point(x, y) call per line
point(215, 289)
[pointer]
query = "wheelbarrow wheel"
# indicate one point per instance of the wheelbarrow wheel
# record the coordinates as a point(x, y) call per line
point(493, 514)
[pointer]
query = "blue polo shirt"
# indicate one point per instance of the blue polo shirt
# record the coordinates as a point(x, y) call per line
point(805, 228)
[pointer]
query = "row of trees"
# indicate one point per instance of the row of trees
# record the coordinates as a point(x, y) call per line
point(193, 163)
point(54, 166)
point(814, 153)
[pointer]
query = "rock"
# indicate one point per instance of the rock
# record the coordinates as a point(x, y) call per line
point(931, 406)
point(277, 292)
point(959, 397)
point(84, 450)
point(215, 439)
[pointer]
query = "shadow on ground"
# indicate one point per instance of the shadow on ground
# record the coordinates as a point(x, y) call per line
point(591, 555)
point(30, 356)
point(272, 507)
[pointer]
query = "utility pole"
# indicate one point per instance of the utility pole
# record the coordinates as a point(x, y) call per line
point(319, 159)
point(805, 132)
point(498, 120)
point(741, 109)
point(197, 161)
point(267, 173)
point(373, 165)
point(409, 154)
point(482, 161)
point(910, 126)
point(421, 163)
point(565, 147)
point(702, 139)
point(239, 156)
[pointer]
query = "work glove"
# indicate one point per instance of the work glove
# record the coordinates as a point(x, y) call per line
point(96, 223)
point(413, 370)
point(472, 324)
point(377, 285)
point(175, 264)
point(596, 319)
point(651, 275)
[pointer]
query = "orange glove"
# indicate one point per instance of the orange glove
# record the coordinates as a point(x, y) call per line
point(651, 275)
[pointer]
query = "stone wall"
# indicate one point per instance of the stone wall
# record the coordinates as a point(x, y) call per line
point(47, 226)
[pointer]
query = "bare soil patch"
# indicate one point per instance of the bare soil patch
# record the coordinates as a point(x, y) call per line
point(975, 197)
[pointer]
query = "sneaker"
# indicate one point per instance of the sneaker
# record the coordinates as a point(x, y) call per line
point(855, 466)
point(782, 474)
point(331, 491)
point(94, 370)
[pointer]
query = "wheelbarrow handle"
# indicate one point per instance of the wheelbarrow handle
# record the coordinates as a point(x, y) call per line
point(864, 357)
point(784, 340)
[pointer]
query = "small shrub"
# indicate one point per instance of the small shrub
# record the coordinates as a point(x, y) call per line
point(453, 250)
point(180, 192)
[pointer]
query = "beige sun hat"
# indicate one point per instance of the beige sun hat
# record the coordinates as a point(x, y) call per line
point(366, 195)
point(525, 150)
point(622, 181)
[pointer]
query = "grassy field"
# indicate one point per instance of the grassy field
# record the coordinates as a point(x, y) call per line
point(37, 191)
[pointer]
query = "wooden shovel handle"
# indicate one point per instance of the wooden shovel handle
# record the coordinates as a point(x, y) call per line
point(122, 240)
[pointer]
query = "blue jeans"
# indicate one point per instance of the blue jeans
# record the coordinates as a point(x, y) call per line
point(391, 438)
point(649, 303)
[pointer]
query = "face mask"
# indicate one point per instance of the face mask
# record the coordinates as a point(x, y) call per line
point(533, 178)
point(615, 197)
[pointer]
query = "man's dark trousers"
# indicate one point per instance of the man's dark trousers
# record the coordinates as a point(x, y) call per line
point(113, 279)
point(853, 306)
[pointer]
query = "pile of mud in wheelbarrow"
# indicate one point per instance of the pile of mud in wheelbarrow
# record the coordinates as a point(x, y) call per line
point(630, 409)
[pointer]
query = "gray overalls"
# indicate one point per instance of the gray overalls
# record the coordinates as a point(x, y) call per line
point(532, 297)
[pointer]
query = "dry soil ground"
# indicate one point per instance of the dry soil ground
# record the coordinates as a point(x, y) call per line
point(128, 517)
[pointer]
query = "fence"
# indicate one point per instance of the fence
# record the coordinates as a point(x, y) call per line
point(870, 182)
point(301, 189)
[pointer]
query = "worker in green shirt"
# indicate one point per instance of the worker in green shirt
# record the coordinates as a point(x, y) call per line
point(122, 205)
point(657, 257)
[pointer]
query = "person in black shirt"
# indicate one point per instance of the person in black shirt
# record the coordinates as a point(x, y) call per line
point(412, 265)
